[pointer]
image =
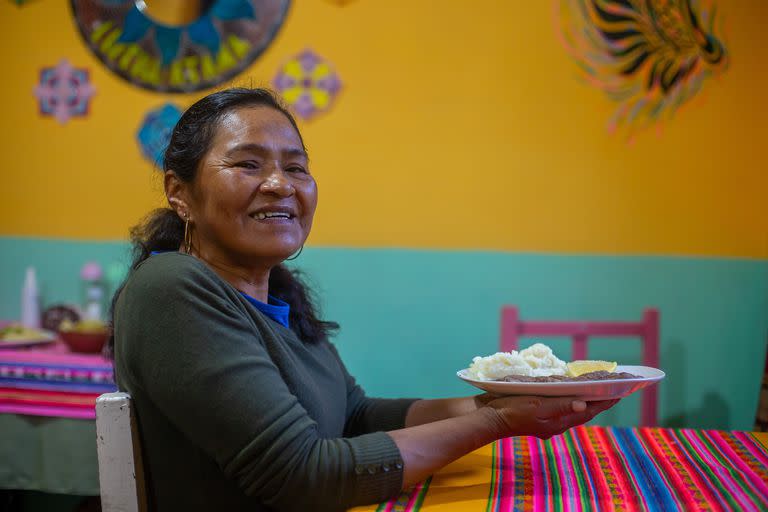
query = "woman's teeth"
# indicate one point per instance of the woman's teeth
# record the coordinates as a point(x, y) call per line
point(271, 215)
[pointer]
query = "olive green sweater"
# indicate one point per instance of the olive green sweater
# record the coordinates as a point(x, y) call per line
point(235, 412)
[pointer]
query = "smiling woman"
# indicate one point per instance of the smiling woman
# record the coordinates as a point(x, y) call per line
point(252, 201)
point(242, 401)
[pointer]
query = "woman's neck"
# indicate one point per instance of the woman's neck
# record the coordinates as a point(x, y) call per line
point(254, 282)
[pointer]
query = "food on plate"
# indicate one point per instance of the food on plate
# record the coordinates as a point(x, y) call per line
point(535, 361)
point(577, 368)
point(538, 363)
point(598, 375)
point(17, 332)
point(83, 326)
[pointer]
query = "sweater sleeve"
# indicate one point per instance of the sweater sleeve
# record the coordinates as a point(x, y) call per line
point(184, 341)
point(364, 414)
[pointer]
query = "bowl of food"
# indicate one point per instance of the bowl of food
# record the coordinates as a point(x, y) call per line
point(86, 336)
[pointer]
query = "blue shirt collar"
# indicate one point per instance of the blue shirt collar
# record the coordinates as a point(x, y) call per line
point(276, 309)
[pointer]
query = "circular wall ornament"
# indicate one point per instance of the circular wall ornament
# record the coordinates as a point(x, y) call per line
point(219, 40)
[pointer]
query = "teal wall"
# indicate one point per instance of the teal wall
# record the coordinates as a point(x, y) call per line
point(410, 319)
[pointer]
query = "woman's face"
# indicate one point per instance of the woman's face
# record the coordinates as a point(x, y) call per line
point(253, 199)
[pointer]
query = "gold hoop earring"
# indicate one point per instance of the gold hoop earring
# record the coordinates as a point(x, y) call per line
point(187, 236)
point(296, 255)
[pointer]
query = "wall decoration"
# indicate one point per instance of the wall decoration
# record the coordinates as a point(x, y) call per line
point(155, 131)
point(223, 38)
point(650, 56)
point(64, 92)
point(308, 83)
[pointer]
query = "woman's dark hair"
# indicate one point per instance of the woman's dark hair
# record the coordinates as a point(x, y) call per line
point(163, 229)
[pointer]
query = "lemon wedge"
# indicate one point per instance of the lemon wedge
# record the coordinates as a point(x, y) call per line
point(576, 368)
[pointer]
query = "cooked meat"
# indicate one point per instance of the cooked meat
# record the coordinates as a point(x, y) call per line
point(600, 375)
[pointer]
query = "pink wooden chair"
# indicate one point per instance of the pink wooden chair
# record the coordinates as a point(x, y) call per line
point(512, 328)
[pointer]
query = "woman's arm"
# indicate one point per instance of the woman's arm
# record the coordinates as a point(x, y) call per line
point(427, 447)
point(428, 411)
point(438, 431)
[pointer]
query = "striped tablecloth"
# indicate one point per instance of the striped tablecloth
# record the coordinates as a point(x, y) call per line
point(599, 468)
point(52, 382)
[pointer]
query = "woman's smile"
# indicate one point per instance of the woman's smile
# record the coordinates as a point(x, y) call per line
point(275, 215)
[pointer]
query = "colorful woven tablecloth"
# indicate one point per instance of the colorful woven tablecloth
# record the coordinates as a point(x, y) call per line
point(51, 382)
point(599, 468)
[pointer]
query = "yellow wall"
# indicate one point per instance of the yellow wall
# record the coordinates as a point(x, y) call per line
point(461, 125)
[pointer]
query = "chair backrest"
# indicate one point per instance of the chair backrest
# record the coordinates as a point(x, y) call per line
point(121, 476)
point(513, 328)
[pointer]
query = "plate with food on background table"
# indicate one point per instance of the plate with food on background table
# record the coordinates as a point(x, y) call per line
point(14, 335)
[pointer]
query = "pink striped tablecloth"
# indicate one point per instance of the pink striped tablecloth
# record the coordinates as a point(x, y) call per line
point(602, 468)
point(51, 381)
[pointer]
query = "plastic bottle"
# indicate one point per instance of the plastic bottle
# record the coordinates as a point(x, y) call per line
point(30, 300)
point(93, 291)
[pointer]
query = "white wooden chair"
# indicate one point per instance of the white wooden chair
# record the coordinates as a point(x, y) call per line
point(121, 476)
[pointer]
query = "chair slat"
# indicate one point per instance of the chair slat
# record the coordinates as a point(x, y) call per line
point(120, 471)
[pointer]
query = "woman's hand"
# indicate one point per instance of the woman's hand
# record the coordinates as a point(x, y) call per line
point(541, 417)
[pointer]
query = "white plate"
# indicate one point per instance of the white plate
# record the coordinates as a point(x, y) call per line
point(585, 390)
point(42, 337)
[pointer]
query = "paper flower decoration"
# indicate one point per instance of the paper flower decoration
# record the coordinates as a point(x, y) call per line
point(64, 92)
point(91, 271)
point(155, 131)
point(649, 57)
point(308, 83)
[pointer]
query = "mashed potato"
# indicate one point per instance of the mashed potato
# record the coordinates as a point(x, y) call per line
point(535, 361)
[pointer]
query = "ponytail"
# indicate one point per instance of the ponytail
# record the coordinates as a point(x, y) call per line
point(288, 285)
point(162, 230)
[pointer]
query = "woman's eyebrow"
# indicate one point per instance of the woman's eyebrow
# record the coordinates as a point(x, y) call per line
point(258, 148)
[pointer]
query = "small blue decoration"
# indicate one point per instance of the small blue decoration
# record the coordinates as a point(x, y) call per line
point(155, 132)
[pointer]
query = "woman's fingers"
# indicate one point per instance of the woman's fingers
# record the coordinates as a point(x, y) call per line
point(602, 405)
point(552, 408)
point(558, 415)
point(545, 417)
point(590, 410)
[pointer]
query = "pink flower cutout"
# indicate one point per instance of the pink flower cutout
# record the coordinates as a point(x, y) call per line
point(64, 92)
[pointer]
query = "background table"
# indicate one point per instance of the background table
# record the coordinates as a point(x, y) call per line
point(598, 468)
point(54, 455)
point(47, 432)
